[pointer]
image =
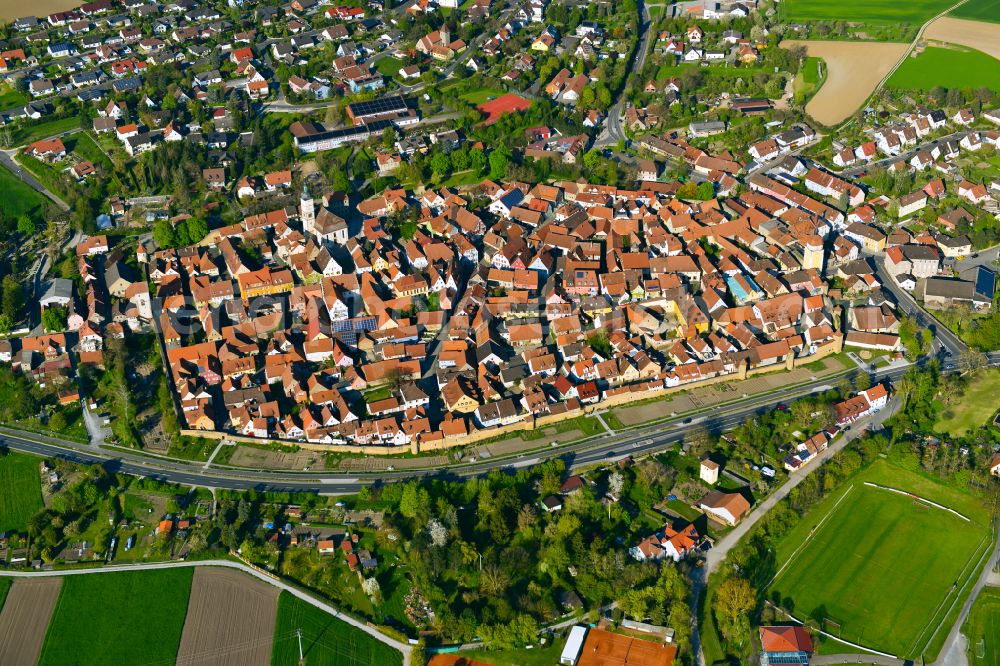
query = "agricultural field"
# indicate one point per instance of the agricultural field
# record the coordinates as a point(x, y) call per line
point(229, 621)
point(20, 491)
point(118, 618)
point(914, 12)
point(974, 407)
point(25, 618)
point(978, 10)
point(844, 564)
point(977, 35)
point(853, 70)
point(951, 67)
point(982, 628)
point(326, 641)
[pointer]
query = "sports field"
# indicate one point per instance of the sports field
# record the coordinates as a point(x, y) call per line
point(868, 564)
point(913, 12)
point(326, 641)
point(982, 628)
point(20, 491)
point(979, 10)
point(132, 617)
point(951, 67)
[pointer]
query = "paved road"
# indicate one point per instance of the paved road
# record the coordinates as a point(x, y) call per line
point(717, 555)
point(596, 449)
point(953, 650)
point(910, 307)
point(613, 131)
point(905, 55)
point(885, 162)
point(298, 592)
point(25, 176)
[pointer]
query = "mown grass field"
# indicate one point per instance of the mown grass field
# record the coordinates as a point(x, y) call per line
point(982, 628)
point(953, 67)
point(809, 78)
point(864, 562)
point(20, 491)
point(5, 584)
point(979, 10)
point(326, 641)
point(16, 198)
point(977, 404)
point(864, 11)
point(133, 617)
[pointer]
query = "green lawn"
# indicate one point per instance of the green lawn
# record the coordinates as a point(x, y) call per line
point(853, 568)
point(133, 617)
point(537, 656)
point(809, 78)
point(16, 198)
point(326, 641)
point(952, 67)
point(976, 406)
point(979, 10)
point(389, 66)
point(864, 11)
point(481, 95)
point(20, 491)
point(12, 97)
point(982, 628)
point(30, 133)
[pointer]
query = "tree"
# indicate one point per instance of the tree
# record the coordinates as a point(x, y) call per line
point(735, 598)
point(6, 324)
point(57, 422)
point(438, 532)
point(440, 164)
point(163, 234)
point(13, 297)
point(499, 159)
point(54, 318)
point(616, 484)
point(371, 587)
point(25, 225)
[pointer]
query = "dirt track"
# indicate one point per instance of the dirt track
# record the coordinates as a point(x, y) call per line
point(25, 619)
point(853, 71)
point(978, 35)
point(230, 620)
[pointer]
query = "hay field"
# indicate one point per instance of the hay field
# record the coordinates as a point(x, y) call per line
point(230, 620)
point(854, 69)
point(978, 35)
point(25, 619)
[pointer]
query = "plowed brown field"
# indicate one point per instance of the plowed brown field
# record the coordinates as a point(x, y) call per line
point(230, 620)
point(978, 35)
point(25, 618)
point(853, 70)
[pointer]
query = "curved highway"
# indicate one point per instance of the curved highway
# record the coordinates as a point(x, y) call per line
point(638, 441)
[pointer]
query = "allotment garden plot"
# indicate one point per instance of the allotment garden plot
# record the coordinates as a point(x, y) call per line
point(881, 568)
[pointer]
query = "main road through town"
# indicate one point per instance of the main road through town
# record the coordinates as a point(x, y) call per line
point(635, 442)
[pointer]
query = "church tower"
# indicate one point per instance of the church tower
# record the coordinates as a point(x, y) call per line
point(307, 211)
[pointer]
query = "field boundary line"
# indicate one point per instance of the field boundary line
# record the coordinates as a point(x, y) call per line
point(810, 537)
point(918, 497)
point(829, 635)
point(968, 581)
point(963, 576)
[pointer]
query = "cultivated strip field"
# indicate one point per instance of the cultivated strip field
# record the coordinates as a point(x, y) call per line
point(121, 617)
point(854, 69)
point(25, 619)
point(230, 620)
point(978, 35)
